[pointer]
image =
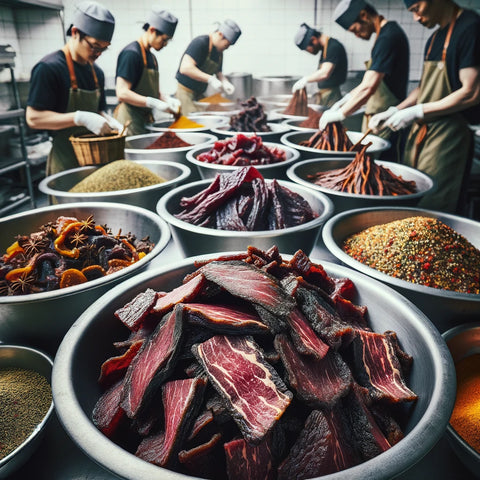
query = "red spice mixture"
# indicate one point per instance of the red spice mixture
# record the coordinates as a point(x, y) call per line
point(168, 140)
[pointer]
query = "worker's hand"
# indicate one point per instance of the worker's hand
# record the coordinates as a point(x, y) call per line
point(341, 102)
point(113, 122)
point(215, 83)
point(228, 88)
point(330, 116)
point(93, 122)
point(174, 104)
point(158, 107)
point(378, 120)
point(404, 118)
point(299, 84)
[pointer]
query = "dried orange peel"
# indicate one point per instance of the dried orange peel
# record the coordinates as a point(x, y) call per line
point(71, 277)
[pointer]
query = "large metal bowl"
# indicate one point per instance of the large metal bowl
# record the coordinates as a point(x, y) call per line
point(293, 139)
point(57, 186)
point(342, 201)
point(274, 135)
point(207, 122)
point(274, 170)
point(294, 124)
point(17, 356)
point(300, 118)
point(41, 320)
point(89, 343)
point(275, 101)
point(215, 107)
point(463, 341)
point(195, 240)
point(444, 308)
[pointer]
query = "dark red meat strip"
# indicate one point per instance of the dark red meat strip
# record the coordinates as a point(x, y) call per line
point(135, 311)
point(107, 413)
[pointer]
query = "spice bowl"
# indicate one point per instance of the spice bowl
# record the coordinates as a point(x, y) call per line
point(57, 186)
point(295, 124)
point(273, 170)
point(33, 369)
point(40, 320)
point(301, 171)
point(293, 139)
point(274, 135)
point(196, 240)
point(464, 341)
point(206, 122)
point(444, 308)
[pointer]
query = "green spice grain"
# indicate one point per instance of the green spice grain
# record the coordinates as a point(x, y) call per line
point(25, 397)
point(117, 175)
point(420, 250)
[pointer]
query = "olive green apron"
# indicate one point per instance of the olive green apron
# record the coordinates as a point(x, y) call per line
point(148, 86)
point(327, 96)
point(441, 147)
point(188, 96)
point(61, 156)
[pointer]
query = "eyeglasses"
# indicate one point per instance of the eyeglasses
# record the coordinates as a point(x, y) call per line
point(94, 48)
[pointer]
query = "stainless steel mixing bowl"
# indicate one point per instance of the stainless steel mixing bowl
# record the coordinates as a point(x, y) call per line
point(274, 170)
point(89, 343)
point(207, 121)
point(195, 240)
point(57, 186)
point(444, 308)
point(300, 171)
point(41, 319)
point(294, 124)
point(277, 130)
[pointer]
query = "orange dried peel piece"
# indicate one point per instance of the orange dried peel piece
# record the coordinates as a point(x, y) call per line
point(60, 240)
point(71, 277)
point(13, 250)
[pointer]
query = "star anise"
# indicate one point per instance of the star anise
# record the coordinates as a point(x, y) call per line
point(23, 284)
point(78, 238)
point(4, 289)
point(87, 224)
point(33, 244)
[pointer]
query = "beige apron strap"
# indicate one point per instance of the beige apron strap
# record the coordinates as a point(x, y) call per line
point(419, 141)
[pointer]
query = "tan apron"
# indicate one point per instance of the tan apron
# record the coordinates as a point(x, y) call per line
point(327, 96)
point(148, 86)
point(188, 96)
point(441, 147)
point(61, 156)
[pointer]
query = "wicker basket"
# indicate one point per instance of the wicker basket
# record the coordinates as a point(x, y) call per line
point(92, 149)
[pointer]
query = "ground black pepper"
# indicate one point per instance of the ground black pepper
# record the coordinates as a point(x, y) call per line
point(420, 250)
point(25, 397)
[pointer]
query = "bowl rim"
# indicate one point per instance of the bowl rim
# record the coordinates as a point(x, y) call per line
point(44, 186)
point(294, 156)
point(175, 222)
point(209, 138)
point(401, 456)
point(165, 236)
point(291, 122)
point(336, 251)
point(382, 143)
point(221, 119)
point(277, 128)
point(40, 426)
point(294, 177)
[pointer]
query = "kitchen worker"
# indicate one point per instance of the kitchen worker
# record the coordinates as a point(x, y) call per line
point(137, 78)
point(385, 81)
point(332, 67)
point(201, 65)
point(67, 93)
point(440, 142)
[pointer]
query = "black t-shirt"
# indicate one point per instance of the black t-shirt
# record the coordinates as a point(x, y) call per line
point(50, 83)
point(463, 52)
point(337, 55)
point(198, 50)
point(391, 56)
point(130, 63)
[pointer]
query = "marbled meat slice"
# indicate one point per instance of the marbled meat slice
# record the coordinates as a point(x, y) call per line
point(322, 447)
point(254, 393)
point(376, 367)
point(224, 319)
point(134, 312)
point(319, 383)
point(249, 462)
point(181, 402)
point(250, 283)
point(107, 413)
point(153, 363)
point(256, 219)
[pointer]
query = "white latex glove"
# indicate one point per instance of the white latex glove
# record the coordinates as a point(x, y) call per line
point(174, 104)
point(157, 106)
point(330, 116)
point(377, 121)
point(215, 83)
point(404, 118)
point(299, 84)
point(341, 102)
point(92, 121)
point(228, 88)
point(113, 122)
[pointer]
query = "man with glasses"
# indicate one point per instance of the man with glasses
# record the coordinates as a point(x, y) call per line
point(67, 93)
point(137, 78)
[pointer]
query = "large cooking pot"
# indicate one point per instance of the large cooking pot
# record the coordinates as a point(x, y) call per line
point(273, 84)
point(243, 83)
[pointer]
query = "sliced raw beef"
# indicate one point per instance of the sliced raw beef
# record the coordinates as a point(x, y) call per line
point(134, 312)
point(252, 390)
point(107, 413)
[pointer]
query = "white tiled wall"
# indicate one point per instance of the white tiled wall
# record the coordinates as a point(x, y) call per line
point(265, 48)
